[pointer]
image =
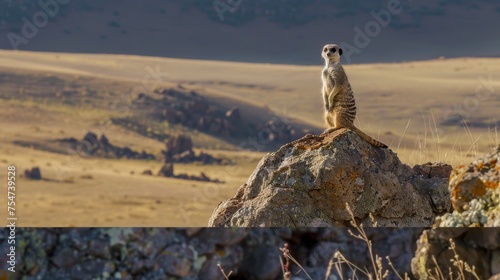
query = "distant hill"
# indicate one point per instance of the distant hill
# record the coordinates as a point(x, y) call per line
point(289, 32)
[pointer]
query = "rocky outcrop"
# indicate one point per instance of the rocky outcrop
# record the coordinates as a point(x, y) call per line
point(180, 106)
point(177, 145)
point(309, 182)
point(167, 170)
point(92, 145)
point(193, 110)
point(180, 149)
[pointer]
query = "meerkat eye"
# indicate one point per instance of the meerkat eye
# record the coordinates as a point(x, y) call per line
point(333, 50)
point(325, 50)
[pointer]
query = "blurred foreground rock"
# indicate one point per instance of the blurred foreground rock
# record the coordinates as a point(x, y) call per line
point(193, 253)
point(309, 181)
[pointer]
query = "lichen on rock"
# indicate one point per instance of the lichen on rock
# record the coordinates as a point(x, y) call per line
point(475, 193)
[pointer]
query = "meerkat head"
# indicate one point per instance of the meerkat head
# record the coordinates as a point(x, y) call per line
point(331, 53)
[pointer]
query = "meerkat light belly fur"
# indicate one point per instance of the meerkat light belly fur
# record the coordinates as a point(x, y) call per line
point(340, 106)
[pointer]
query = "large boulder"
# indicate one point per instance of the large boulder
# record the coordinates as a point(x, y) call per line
point(309, 182)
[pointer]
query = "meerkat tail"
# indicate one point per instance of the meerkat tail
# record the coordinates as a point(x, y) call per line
point(367, 138)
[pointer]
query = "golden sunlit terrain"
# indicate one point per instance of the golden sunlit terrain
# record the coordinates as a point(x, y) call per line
point(438, 110)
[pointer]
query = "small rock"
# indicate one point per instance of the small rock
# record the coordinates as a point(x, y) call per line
point(91, 138)
point(167, 170)
point(66, 257)
point(437, 169)
point(495, 263)
point(262, 263)
point(104, 141)
point(234, 114)
point(176, 260)
point(33, 174)
point(178, 145)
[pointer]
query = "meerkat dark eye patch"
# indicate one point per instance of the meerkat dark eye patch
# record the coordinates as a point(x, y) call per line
point(333, 50)
point(340, 51)
point(325, 49)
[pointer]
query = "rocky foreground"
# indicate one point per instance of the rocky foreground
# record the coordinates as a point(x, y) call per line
point(193, 253)
point(474, 224)
point(250, 253)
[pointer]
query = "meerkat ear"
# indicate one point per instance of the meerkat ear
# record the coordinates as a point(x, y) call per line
point(340, 51)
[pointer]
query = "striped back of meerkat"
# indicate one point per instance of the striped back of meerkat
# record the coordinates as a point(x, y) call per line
point(348, 105)
point(344, 101)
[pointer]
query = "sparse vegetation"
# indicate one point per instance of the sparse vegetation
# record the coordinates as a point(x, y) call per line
point(226, 276)
point(381, 268)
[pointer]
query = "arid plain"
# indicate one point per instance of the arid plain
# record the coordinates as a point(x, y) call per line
point(437, 110)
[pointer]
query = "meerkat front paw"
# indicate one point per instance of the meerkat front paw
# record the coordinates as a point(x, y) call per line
point(329, 130)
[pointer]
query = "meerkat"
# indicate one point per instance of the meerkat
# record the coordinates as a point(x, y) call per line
point(340, 107)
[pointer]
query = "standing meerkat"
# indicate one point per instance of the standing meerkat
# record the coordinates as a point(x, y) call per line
point(340, 107)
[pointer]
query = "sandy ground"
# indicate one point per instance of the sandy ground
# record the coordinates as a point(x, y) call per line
point(98, 192)
point(402, 104)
